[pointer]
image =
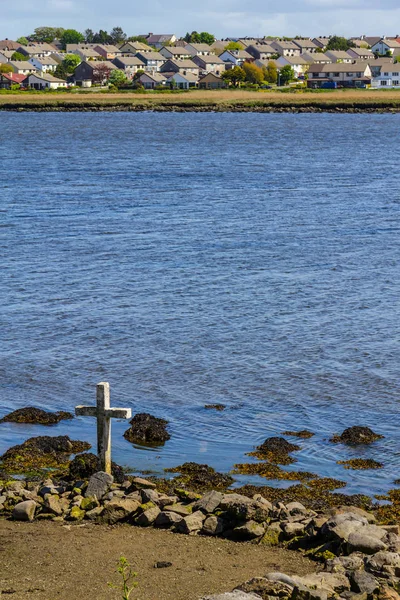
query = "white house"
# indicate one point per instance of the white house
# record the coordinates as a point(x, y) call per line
point(39, 50)
point(199, 49)
point(388, 78)
point(298, 63)
point(235, 58)
point(210, 64)
point(152, 80)
point(183, 82)
point(44, 81)
point(386, 46)
point(22, 67)
point(129, 64)
point(339, 56)
point(5, 55)
point(176, 53)
point(344, 75)
point(286, 48)
point(45, 65)
point(360, 54)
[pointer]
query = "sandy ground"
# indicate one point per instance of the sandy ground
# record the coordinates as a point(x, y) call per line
point(49, 561)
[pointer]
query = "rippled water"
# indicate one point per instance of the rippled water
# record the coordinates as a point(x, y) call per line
point(188, 259)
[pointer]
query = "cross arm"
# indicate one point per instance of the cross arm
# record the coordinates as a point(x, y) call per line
point(119, 413)
point(86, 411)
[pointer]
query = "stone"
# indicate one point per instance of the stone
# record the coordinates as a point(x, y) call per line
point(209, 502)
point(149, 495)
point(264, 588)
point(162, 564)
point(295, 508)
point(355, 510)
point(24, 511)
point(263, 502)
point(76, 514)
point(15, 486)
point(119, 510)
point(347, 564)
point(141, 483)
point(191, 523)
point(384, 564)
point(243, 508)
point(292, 530)
point(148, 517)
point(235, 595)
point(99, 484)
point(164, 500)
point(271, 537)
point(361, 581)
point(180, 509)
point(94, 513)
point(300, 592)
point(167, 519)
point(358, 542)
point(89, 503)
point(387, 593)
point(52, 503)
point(248, 531)
point(341, 526)
point(147, 429)
point(329, 582)
point(213, 525)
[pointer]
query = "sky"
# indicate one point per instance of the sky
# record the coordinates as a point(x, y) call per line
point(223, 18)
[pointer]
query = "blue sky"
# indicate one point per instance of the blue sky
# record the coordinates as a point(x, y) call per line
point(221, 17)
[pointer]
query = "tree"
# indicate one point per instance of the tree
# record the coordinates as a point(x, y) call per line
point(46, 34)
point(23, 41)
point(286, 74)
point(5, 68)
point(137, 38)
point(339, 43)
point(271, 72)
point(253, 73)
point(207, 38)
point(71, 36)
point(101, 73)
point(89, 35)
point(102, 37)
point(18, 56)
point(117, 35)
point(234, 46)
point(117, 77)
point(234, 75)
point(70, 62)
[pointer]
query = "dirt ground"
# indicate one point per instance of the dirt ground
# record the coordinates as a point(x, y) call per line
point(54, 561)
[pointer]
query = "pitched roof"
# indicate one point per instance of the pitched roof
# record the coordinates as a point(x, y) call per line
point(23, 65)
point(390, 43)
point(151, 56)
point(361, 51)
point(9, 45)
point(339, 68)
point(305, 43)
point(158, 77)
point(338, 54)
point(183, 64)
point(47, 60)
point(200, 47)
point(87, 52)
point(14, 77)
point(188, 76)
point(211, 59)
point(285, 45)
point(136, 46)
point(159, 38)
point(35, 47)
point(109, 48)
point(46, 77)
point(7, 53)
point(294, 60)
point(176, 50)
point(129, 61)
point(262, 48)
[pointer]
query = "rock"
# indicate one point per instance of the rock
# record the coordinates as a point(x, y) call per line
point(52, 503)
point(354, 436)
point(363, 582)
point(167, 519)
point(213, 525)
point(181, 509)
point(384, 564)
point(360, 542)
point(191, 523)
point(198, 476)
point(99, 484)
point(76, 514)
point(355, 510)
point(295, 508)
point(282, 577)
point(301, 592)
point(219, 407)
point(209, 502)
point(248, 531)
point(164, 500)
point(141, 484)
point(162, 564)
point(235, 595)
point(276, 449)
point(24, 511)
point(34, 415)
point(341, 526)
point(265, 588)
point(243, 508)
point(15, 486)
point(271, 537)
point(149, 495)
point(147, 429)
point(119, 510)
point(387, 593)
point(89, 503)
point(83, 466)
point(329, 582)
point(94, 513)
point(346, 564)
point(263, 502)
point(292, 530)
point(148, 517)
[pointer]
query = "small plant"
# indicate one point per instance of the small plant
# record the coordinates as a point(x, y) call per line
point(124, 569)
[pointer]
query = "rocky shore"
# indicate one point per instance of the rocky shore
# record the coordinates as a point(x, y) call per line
point(359, 559)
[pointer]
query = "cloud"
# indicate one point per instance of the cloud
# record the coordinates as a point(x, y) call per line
point(222, 17)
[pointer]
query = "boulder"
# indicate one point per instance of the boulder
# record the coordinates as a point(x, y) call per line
point(179, 508)
point(265, 588)
point(360, 542)
point(361, 581)
point(24, 511)
point(191, 523)
point(76, 514)
point(235, 595)
point(213, 525)
point(292, 530)
point(209, 502)
point(52, 504)
point(387, 593)
point(329, 582)
point(94, 513)
point(282, 577)
point(384, 564)
point(167, 519)
point(271, 537)
point(248, 531)
point(147, 429)
point(141, 484)
point(148, 517)
point(300, 592)
point(37, 416)
point(99, 484)
point(295, 508)
point(340, 527)
point(89, 503)
point(149, 495)
point(119, 510)
point(243, 508)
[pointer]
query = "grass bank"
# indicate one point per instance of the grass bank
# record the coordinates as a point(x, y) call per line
point(205, 101)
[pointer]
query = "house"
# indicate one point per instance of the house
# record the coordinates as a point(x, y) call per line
point(22, 67)
point(219, 46)
point(235, 58)
point(386, 46)
point(108, 51)
point(43, 81)
point(71, 48)
point(211, 81)
point(9, 45)
point(199, 49)
point(176, 53)
point(286, 48)
point(321, 42)
point(263, 64)
point(389, 77)
point(246, 42)
point(88, 73)
point(7, 80)
point(129, 64)
point(339, 56)
point(371, 40)
point(379, 65)
point(45, 65)
point(134, 48)
point(152, 80)
point(306, 45)
point(183, 82)
point(37, 50)
point(316, 57)
point(261, 51)
point(152, 60)
point(298, 63)
point(344, 75)
point(5, 55)
point(360, 54)
point(87, 54)
point(180, 66)
point(159, 40)
point(359, 42)
point(209, 64)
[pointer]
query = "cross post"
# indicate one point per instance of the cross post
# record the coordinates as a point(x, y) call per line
point(104, 413)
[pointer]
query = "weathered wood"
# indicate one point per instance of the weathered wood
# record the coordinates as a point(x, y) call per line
point(104, 413)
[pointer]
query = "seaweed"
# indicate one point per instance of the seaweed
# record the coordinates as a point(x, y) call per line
point(276, 450)
point(271, 471)
point(360, 464)
point(147, 429)
point(219, 407)
point(305, 434)
point(353, 436)
point(33, 415)
point(199, 477)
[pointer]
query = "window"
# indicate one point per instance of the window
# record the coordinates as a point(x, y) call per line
point(383, 82)
point(386, 74)
point(335, 75)
point(395, 74)
point(396, 82)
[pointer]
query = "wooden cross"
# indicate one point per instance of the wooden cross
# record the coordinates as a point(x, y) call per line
point(104, 413)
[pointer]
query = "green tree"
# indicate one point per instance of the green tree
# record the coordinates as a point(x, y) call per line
point(234, 46)
point(18, 56)
point(70, 62)
point(286, 75)
point(137, 38)
point(89, 35)
point(117, 35)
point(207, 38)
point(102, 37)
point(253, 73)
point(71, 36)
point(46, 34)
point(339, 43)
point(234, 76)
point(271, 72)
point(5, 68)
point(117, 78)
point(23, 41)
